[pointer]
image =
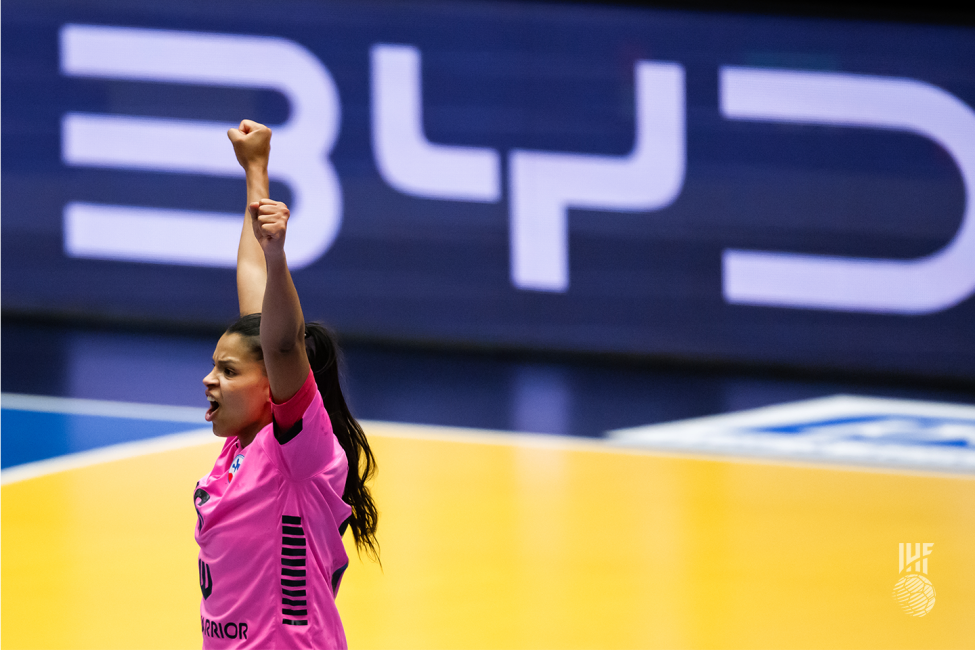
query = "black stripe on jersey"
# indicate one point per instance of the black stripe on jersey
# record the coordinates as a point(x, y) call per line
point(293, 544)
point(283, 436)
point(345, 524)
point(338, 576)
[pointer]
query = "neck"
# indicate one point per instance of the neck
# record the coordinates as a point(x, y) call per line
point(246, 436)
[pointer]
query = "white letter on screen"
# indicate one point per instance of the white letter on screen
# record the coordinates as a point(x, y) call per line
point(545, 185)
point(406, 159)
point(301, 145)
point(918, 286)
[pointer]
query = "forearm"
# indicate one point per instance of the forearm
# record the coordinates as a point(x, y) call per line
point(251, 266)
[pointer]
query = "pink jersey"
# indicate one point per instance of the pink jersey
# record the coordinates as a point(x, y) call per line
point(271, 518)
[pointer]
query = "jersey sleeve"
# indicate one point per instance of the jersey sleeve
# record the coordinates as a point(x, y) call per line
point(303, 443)
point(289, 412)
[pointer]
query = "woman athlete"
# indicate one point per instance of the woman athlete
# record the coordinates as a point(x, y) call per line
point(292, 472)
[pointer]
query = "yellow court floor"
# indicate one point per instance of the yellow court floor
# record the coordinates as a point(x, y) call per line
point(492, 541)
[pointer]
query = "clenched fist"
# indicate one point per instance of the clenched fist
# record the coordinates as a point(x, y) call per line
point(270, 220)
point(252, 143)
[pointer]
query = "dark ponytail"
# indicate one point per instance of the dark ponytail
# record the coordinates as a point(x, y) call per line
point(325, 359)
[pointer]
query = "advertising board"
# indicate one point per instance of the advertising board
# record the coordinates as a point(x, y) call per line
point(699, 186)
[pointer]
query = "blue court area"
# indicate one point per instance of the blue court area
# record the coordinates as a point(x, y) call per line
point(37, 427)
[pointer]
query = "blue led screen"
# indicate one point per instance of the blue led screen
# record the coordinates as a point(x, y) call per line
point(687, 185)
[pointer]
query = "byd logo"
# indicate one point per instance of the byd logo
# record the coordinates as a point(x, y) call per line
point(542, 186)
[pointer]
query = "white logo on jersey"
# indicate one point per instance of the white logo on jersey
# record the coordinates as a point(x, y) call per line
point(235, 466)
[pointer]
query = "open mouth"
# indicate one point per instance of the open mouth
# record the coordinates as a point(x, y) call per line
point(214, 405)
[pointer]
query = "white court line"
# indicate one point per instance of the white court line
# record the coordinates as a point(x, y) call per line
point(438, 433)
point(77, 406)
point(204, 436)
point(108, 454)
point(441, 433)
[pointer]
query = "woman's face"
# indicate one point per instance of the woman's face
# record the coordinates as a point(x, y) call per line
point(238, 390)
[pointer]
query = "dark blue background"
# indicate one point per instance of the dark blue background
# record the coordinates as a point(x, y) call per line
point(503, 76)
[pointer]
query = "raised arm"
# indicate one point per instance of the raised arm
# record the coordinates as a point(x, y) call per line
point(252, 144)
point(263, 280)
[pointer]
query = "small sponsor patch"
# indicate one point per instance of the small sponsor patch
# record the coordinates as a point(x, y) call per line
point(235, 467)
